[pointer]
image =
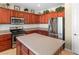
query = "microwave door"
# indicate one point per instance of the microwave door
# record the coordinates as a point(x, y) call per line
point(17, 21)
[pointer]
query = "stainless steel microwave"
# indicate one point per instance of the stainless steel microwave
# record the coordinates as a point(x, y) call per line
point(17, 21)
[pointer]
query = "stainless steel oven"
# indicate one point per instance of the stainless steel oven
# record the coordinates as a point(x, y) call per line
point(16, 31)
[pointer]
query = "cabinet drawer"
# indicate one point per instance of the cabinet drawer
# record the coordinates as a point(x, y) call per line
point(5, 35)
point(23, 53)
point(8, 42)
point(4, 39)
point(5, 42)
point(4, 47)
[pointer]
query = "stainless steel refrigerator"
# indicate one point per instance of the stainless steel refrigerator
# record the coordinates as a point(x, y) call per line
point(55, 27)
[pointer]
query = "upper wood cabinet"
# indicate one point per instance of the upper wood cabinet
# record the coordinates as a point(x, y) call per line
point(29, 18)
point(26, 18)
point(34, 19)
point(20, 14)
point(17, 14)
point(4, 16)
point(44, 17)
point(37, 20)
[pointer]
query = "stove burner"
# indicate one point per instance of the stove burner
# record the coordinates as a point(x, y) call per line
point(15, 33)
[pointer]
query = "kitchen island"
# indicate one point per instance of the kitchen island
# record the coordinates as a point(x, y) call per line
point(37, 44)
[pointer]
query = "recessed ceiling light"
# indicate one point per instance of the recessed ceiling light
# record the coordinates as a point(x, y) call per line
point(38, 5)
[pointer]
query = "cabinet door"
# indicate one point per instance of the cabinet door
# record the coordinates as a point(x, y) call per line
point(20, 14)
point(43, 32)
point(37, 19)
point(24, 50)
point(23, 53)
point(5, 42)
point(4, 16)
point(17, 14)
point(26, 18)
point(32, 18)
point(40, 19)
point(46, 18)
point(13, 13)
point(18, 48)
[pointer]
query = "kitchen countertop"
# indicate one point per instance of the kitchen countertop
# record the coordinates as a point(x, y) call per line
point(26, 29)
point(40, 44)
point(5, 32)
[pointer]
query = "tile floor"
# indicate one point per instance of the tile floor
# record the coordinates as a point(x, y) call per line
point(65, 52)
point(9, 52)
point(13, 52)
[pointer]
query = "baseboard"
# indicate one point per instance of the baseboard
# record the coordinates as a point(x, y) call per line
point(68, 50)
point(71, 51)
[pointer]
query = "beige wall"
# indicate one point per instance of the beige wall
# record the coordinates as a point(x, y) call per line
point(68, 24)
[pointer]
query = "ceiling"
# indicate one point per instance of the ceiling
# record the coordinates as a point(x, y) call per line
point(38, 6)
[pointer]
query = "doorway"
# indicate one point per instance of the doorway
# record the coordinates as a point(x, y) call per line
point(75, 28)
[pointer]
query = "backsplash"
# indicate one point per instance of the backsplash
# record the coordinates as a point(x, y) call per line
point(7, 26)
point(43, 25)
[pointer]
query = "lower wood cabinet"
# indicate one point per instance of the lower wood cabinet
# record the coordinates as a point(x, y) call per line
point(31, 31)
point(31, 53)
point(22, 50)
point(18, 48)
point(5, 42)
point(43, 32)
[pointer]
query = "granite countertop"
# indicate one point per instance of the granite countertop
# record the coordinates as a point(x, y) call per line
point(4, 32)
point(40, 44)
point(26, 29)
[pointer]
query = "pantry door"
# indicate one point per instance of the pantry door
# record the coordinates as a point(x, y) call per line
point(75, 28)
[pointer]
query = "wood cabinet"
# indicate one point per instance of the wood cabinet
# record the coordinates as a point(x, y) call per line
point(43, 32)
point(26, 18)
point(37, 20)
point(17, 14)
point(22, 50)
point(18, 47)
point(27, 49)
point(4, 16)
point(33, 19)
point(29, 18)
point(31, 31)
point(45, 17)
point(5, 42)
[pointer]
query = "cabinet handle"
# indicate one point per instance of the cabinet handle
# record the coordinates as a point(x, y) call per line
point(75, 34)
